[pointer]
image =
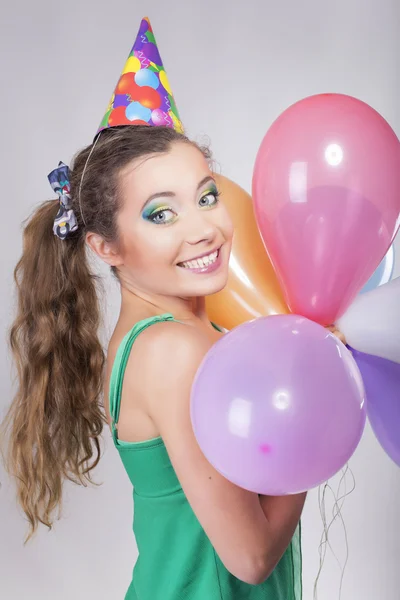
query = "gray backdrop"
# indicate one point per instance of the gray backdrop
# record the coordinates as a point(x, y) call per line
point(234, 67)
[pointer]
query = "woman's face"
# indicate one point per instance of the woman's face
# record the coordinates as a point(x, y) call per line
point(175, 233)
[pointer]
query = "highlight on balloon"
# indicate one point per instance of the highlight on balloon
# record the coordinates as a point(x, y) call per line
point(279, 404)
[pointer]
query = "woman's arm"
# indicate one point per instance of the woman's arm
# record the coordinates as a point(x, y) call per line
point(283, 514)
point(249, 534)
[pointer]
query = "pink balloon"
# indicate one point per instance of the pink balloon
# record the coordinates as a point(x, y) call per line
point(326, 191)
point(277, 405)
point(159, 117)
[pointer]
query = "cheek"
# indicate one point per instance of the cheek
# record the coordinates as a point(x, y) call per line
point(226, 224)
point(151, 248)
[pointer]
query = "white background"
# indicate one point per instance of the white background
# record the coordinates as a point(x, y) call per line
point(234, 67)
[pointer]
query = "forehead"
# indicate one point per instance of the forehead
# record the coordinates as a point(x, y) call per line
point(182, 167)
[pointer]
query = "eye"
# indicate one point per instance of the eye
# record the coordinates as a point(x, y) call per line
point(163, 215)
point(210, 199)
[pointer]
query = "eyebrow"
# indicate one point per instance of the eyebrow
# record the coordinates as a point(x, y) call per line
point(172, 194)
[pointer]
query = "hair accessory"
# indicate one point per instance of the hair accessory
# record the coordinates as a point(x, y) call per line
point(65, 221)
point(143, 94)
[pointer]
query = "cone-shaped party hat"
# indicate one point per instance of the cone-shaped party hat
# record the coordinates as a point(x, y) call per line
point(143, 95)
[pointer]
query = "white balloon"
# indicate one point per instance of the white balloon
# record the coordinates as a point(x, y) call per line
point(372, 323)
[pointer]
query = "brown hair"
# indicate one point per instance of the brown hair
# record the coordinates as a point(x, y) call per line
point(56, 419)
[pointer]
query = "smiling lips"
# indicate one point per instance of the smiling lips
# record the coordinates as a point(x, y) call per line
point(203, 262)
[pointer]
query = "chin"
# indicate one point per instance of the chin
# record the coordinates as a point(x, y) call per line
point(209, 286)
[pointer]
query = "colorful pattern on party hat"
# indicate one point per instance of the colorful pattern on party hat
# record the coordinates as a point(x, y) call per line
point(143, 95)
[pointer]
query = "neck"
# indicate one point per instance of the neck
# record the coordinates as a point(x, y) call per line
point(183, 309)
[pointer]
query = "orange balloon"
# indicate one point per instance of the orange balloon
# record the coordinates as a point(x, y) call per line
point(252, 290)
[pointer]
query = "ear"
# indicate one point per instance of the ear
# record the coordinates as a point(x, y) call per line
point(104, 250)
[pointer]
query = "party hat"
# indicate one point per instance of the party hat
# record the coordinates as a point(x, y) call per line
point(143, 95)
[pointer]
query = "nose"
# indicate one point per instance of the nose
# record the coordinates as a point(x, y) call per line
point(200, 229)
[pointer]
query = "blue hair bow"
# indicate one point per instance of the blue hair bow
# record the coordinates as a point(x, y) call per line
point(65, 221)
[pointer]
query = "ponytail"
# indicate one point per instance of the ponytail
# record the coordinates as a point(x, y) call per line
point(55, 420)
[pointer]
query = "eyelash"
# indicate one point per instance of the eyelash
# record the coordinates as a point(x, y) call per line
point(154, 215)
point(214, 193)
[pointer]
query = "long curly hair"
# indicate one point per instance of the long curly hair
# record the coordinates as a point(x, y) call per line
point(56, 418)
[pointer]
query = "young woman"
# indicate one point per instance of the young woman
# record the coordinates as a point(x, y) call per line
point(145, 201)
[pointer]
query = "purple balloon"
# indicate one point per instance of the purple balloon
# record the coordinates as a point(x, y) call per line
point(141, 39)
point(277, 405)
point(121, 100)
point(382, 385)
point(151, 52)
point(165, 103)
point(144, 26)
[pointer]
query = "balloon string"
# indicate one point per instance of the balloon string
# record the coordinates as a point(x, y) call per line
point(339, 499)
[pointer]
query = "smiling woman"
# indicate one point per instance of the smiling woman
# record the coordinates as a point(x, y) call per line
point(208, 261)
point(144, 200)
point(171, 217)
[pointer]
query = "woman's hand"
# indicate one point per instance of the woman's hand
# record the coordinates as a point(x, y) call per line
point(333, 329)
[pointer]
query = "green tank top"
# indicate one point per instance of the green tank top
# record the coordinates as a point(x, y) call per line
point(176, 560)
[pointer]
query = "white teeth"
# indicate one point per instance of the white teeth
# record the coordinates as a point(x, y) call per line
point(200, 263)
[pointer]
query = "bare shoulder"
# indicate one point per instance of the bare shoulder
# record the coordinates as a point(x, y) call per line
point(167, 336)
point(168, 352)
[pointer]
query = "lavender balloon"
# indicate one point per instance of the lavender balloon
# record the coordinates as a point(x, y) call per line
point(382, 385)
point(277, 405)
point(153, 54)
